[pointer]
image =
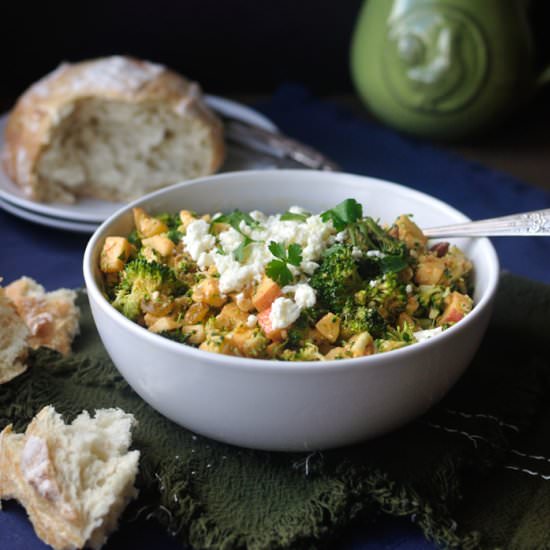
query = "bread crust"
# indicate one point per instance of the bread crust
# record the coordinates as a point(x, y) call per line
point(51, 317)
point(46, 103)
point(14, 336)
point(28, 473)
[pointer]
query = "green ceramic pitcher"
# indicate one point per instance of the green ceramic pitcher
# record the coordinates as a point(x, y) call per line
point(443, 68)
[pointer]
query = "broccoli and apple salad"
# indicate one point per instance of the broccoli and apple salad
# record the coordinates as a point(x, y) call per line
point(294, 286)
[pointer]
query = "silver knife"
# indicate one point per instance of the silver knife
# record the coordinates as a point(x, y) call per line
point(274, 144)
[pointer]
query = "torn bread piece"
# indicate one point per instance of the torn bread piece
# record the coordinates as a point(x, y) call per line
point(113, 128)
point(51, 317)
point(74, 480)
point(14, 336)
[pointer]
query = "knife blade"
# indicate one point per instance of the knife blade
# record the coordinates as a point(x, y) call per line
point(275, 144)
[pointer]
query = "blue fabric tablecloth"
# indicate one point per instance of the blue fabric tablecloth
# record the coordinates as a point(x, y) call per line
point(54, 257)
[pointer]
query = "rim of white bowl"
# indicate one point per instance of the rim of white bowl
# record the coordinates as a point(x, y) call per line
point(271, 365)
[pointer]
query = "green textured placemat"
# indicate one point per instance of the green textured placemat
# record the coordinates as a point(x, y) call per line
point(472, 473)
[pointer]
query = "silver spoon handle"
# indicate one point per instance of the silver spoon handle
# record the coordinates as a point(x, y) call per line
point(527, 224)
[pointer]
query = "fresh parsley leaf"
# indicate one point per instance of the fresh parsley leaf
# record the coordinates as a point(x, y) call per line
point(278, 250)
point(293, 216)
point(294, 254)
point(279, 272)
point(277, 269)
point(235, 218)
point(392, 264)
point(240, 252)
point(343, 214)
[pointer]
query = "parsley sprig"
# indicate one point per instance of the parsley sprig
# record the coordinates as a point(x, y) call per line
point(277, 269)
point(234, 219)
point(346, 213)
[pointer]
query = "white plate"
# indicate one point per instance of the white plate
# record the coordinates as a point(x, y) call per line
point(94, 210)
point(50, 221)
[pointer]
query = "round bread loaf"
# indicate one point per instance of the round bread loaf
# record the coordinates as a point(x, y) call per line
point(114, 128)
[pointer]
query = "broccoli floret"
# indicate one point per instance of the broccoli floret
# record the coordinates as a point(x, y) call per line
point(432, 300)
point(356, 319)
point(308, 352)
point(337, 278)
point(139, 280)
point(300, 330)
point(389, 255)
point(401, 334)
point(387, 294)
point(368, 235)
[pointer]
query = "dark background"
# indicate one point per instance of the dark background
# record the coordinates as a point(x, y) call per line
point(229, 46)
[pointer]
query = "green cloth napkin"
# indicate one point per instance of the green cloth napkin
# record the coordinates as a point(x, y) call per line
point(473, 473)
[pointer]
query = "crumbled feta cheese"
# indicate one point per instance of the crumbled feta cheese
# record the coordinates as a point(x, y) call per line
point(252, 321)
point(297, 210)
point(230, 240)
point(375, 254)
point(312, 235)
point(257, 216)
point(409, 289)
point(304, 295)
point(356, 253)
point(341, 237)
point(197, 239)
point(422, 335)
point(283, 313)
point(309, 267)
point(233, 275)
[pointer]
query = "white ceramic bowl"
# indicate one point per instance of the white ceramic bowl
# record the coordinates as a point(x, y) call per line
point(291, 406)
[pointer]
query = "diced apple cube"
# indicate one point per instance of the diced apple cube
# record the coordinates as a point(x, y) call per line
point(410, 233)
point(163, 324)
point(458, 305)
point(115, 252)
point(268, 290)
point(329, 327)
point(265, 322)
point(186, 218)
point(146, 225)
point(230, 317)
point(163, 245)
point(208, 292)
point(430, 270)
point(249, 341)
point(360, 344)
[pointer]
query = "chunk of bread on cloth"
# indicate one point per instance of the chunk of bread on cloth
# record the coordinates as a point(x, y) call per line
point(14, 336)
point(74, 480)
point(51, 317)
point(113, 128)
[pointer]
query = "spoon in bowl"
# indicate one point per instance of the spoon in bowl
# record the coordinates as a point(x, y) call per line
point(526, 224)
